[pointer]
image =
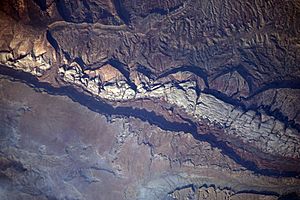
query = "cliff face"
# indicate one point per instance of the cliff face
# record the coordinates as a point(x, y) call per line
point(192, 99)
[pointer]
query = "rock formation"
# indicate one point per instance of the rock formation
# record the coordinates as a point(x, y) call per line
point(106, 99)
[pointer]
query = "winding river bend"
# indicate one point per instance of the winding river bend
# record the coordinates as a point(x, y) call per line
point(153, 118)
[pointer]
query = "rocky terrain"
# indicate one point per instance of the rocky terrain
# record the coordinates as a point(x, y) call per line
point(190, 99)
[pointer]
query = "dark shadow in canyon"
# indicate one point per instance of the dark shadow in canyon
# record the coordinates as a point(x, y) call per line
point(106, 109)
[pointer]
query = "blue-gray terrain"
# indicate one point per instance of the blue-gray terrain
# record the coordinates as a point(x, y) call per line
point(122, 99)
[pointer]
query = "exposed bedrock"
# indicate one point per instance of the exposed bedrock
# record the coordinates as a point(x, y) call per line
point(143, 161)
point(172, 99)
point(260, 131)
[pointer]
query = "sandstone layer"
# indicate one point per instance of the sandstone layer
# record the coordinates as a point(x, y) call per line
point(171, 99)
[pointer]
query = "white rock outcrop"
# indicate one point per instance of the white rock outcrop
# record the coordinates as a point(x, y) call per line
point(264, 132)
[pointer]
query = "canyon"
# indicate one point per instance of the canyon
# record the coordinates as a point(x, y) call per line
point(149, 99)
